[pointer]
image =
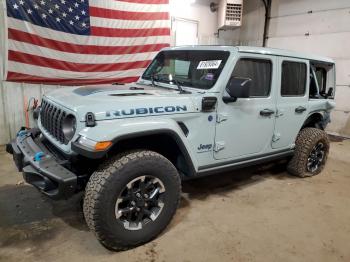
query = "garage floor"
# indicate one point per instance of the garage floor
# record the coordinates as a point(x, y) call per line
point(256, 214)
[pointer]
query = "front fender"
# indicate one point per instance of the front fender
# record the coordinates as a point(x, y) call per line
point(118, 130)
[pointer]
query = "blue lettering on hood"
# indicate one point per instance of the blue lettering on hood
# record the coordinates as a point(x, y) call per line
point(146, 111)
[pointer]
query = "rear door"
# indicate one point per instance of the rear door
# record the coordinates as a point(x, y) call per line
point(292, 100)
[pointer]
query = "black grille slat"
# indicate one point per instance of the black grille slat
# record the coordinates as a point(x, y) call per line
point(57, 124)
point(51, 118)
point(60, 136)
point(43, 112)
point(48, 118)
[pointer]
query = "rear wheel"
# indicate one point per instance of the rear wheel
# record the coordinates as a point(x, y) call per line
point(311, 152)
point(131, 199)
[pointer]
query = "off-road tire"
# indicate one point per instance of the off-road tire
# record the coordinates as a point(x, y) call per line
point(307, 139)
point(106, 184)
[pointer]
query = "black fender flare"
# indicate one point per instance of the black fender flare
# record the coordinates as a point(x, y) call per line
point(100, 154)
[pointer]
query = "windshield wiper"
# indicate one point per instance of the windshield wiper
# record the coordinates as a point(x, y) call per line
point(155, 77)
point(179, 87)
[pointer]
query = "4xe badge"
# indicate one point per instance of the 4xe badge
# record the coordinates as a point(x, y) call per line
point(204, 148)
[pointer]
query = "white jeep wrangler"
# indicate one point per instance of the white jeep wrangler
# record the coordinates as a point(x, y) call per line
point(195, 111)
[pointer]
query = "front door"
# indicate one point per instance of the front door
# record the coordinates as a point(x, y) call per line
point(292, 101)
point(245, 127)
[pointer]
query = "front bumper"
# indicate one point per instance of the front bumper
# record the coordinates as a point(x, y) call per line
point(40, 167)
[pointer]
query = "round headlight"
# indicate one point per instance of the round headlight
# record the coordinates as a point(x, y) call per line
point(69, 127)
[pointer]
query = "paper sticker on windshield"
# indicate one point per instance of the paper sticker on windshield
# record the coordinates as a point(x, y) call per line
point(210, 64)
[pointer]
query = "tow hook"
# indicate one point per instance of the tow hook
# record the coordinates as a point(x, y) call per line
point(22, 133)
point(38, 156)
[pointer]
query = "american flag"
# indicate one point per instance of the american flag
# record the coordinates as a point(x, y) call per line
point(73, 42)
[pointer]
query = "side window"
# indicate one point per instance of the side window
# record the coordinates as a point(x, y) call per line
point(293, 79)
point(259, 71)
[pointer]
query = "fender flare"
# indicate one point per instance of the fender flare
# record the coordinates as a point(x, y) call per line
point(322, 115)
point(100, 154)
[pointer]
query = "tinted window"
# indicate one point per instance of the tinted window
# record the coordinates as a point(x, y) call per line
point(293, 79)
point(259, 71)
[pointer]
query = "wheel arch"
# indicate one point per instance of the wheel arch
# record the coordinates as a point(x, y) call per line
point(163, 141)
point(315, 120)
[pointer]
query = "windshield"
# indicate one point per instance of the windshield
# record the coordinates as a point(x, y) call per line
point(198, 69)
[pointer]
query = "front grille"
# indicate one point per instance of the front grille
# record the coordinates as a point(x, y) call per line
point(51, 118)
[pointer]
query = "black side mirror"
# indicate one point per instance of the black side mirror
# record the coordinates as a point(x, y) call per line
point(330, 92)
point(238, 87)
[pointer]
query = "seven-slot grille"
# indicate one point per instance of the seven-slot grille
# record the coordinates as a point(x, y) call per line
point(51, 118)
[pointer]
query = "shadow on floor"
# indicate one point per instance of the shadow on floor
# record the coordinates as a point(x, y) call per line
point(27, 215)
point(23, 204)
point(224, 183)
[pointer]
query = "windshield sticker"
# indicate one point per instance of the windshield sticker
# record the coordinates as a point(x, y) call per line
point(209, 77)
point(210, 64)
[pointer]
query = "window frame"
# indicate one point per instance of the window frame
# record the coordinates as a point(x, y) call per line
point(306, 77)
point(261, 59)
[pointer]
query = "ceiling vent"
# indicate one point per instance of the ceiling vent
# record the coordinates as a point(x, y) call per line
point(230, 14)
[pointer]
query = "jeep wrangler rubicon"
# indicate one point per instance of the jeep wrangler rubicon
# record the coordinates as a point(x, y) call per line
point(195, 111)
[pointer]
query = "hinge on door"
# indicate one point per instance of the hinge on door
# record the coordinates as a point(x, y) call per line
point(219, 146)
point(221, 118)
point(276, 137)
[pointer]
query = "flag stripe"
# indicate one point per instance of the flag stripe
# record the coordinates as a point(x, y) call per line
point(64, 74)
point(117, 32)
point(70, 66)
point(116, 14)
point(84, 42)
point(81, 58)
point(81, 49)
point(80, 40)
point(14, 76)
point(146, 1)
point(128, 24)
point(129, 7)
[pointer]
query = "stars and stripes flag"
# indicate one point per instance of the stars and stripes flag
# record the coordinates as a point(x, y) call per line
point(73, 42)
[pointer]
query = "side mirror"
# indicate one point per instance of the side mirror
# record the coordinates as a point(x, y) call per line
point(238, 87)
point(330, 92)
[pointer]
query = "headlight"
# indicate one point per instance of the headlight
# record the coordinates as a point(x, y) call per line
point(69, 126)
point(93, 145)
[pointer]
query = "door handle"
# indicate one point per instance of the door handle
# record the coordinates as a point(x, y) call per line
point(300, 109)
point(267, 112)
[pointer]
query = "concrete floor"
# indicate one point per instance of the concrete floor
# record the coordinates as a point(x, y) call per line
point(256, 214)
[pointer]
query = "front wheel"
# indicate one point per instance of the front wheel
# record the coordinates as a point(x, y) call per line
point(311, 152)
point(131, 199)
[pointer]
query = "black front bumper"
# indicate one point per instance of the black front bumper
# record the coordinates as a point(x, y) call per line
point(40, 167)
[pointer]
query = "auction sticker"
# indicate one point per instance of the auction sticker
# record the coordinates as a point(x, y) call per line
point(210, 64)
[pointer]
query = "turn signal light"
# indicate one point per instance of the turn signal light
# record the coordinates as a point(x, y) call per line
point(102, 145)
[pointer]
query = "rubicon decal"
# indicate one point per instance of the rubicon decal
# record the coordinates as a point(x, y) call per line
point(146, 111)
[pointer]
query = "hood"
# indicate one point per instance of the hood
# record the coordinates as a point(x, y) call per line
point(121, 101)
